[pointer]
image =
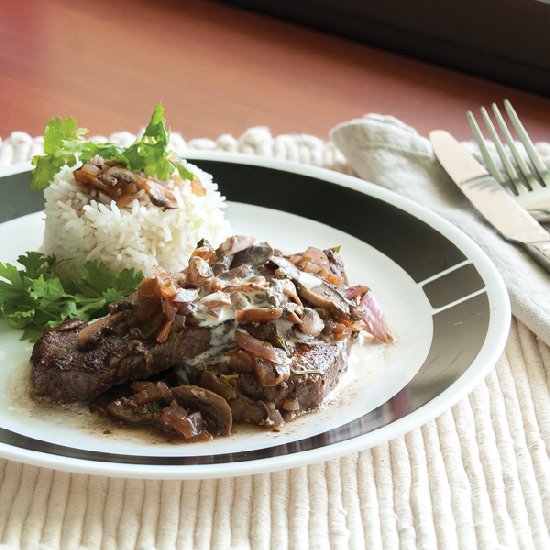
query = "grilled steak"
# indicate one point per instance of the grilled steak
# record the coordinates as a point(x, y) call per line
point(264, 336)
point(64, 372)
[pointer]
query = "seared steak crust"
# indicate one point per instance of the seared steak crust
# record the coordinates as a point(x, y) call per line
point(322, 363)
point(266, 336)
point(66, 374)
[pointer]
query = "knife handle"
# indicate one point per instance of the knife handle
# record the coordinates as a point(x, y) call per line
point(541, 253)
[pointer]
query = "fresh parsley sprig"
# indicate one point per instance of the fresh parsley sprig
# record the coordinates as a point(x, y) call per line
point(64, 146)
point(37, 296)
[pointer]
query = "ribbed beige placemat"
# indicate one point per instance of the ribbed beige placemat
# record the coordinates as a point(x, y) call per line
point(478, 476)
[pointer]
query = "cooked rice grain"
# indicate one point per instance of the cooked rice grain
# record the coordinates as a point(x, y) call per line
point(83, 224)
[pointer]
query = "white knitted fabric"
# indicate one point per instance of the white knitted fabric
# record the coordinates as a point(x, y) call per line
point(478, 476)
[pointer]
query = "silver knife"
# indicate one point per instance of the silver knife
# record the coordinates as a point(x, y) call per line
point(490, 198)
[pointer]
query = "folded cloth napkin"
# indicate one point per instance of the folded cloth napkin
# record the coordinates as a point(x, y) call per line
point(387, 152)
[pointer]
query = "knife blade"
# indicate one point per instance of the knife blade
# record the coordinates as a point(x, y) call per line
point(494, 203)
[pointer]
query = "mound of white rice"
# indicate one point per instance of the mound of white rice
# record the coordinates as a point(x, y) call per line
point(82, 224)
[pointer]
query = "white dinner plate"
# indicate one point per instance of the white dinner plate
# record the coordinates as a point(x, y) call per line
point(444, 302)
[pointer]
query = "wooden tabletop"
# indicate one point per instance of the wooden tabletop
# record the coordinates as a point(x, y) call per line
point(218, 69)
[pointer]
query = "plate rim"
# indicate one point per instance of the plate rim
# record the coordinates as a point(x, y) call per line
point(485, 360)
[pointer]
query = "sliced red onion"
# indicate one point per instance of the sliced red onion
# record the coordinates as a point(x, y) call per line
point(315, 255)
point(240, 361)
point(260, 348)
point(268, 374)
point(149, 288)
point(352, 292)
point(175, 418)
point(169, 309)
point(167, 287)
point(164, 331)
point(374, 318)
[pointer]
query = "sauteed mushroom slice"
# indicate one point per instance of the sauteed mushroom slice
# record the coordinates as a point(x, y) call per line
point(160, 195)
point(258, 314)
point(257, 254)
point(125, 410)
point(190, 427)
point(326, 296)
point(90, 334)
point(117, 181)
point(207, 402)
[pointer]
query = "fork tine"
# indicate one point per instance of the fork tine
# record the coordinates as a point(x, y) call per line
point(487, 157)
point(530, 182)
point(527, 143)
point(532, 185)
point(510, 170)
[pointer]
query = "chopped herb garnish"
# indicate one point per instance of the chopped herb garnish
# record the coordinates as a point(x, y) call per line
point(279, 342)
point(64, 146)
point(39, 296)
point(153, 408)
point(230, 383)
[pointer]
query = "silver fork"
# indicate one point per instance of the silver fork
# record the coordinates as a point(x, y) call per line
point(525, 175)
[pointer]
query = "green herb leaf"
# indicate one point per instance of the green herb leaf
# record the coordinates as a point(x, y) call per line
point(128, 280)
point(184, 172)
point(35, 263)
point(49, 291)
point(97, 276)
point(148, 154)
point(112, 295)
point(105, 150)
point(31, 334)
point(152, 408)
point(64, 146)
point(58, 132)
point(19, 319)
point(37, 297)
point(12, 274)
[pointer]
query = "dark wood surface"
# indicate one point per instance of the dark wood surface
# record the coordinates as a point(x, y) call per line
point(504, 40)
point(218, 69)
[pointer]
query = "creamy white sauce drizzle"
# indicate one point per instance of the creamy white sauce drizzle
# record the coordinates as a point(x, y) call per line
point(208, 319)
point(220, 335)
point(309, 280)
